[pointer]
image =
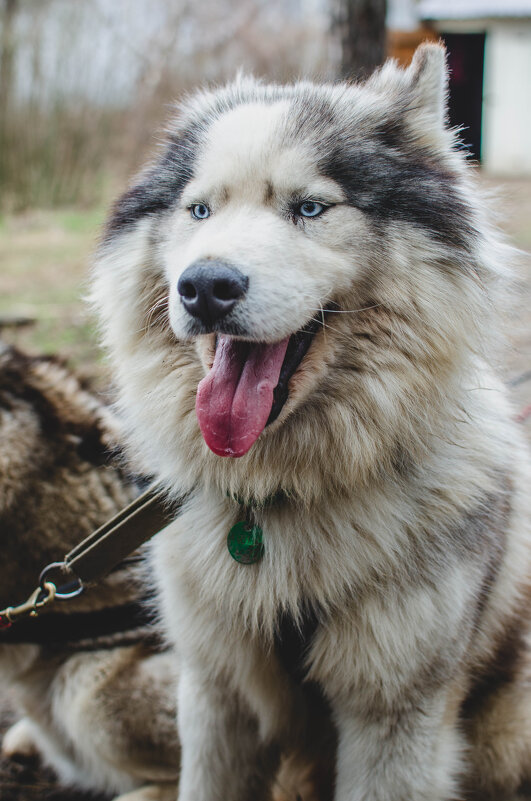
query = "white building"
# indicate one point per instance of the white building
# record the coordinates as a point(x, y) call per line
point(489, 43)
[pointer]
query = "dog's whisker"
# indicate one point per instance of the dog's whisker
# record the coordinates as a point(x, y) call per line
point(346, 311)
point(157, 306)
point(323, 323)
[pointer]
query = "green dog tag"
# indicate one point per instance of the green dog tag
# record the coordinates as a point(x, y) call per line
point(244, 542)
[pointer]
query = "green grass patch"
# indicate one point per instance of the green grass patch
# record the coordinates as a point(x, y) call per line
point(45, 257)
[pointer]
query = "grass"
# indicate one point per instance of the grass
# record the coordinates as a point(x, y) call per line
point(45, 256)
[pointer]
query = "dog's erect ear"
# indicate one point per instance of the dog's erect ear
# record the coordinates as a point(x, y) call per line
point(421, 88)
point(428, 77)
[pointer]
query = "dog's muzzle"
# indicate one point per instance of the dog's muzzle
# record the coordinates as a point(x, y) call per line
point(247, 384)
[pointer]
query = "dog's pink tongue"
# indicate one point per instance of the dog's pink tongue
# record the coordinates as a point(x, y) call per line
point(234, 400)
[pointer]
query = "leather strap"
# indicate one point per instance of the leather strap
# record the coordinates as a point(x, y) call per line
point(109, 545)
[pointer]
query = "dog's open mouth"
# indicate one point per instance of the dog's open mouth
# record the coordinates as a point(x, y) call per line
point(247, 387)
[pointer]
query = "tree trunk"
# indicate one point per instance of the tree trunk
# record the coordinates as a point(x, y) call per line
point(7, 53)
point(361, 28)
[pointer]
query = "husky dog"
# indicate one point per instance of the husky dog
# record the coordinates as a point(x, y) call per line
point(94, 688)
point(298, 296)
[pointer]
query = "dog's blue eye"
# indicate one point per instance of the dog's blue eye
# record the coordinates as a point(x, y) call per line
point(199, 211)
point(310, 208)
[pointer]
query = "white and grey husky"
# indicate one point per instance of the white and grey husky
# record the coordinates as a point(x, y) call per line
point(296, 296)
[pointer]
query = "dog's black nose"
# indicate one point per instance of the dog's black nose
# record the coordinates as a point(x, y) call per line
point(209, 289)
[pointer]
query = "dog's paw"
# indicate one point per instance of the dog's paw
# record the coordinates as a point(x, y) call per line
point(151, 792)
point(19, 740)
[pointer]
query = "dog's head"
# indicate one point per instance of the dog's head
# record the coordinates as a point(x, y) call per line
point(302, 264)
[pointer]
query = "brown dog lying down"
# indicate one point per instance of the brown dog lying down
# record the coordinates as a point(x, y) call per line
point(95, 687)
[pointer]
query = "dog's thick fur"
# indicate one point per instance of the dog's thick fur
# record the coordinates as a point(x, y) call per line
point(403, 522)
point(98, 709)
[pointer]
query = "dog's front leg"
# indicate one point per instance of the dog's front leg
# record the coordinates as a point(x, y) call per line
point(394, 671)
point(406, 754)
point(222, 756)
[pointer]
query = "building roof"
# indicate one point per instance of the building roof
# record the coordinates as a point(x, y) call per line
point(473, 9)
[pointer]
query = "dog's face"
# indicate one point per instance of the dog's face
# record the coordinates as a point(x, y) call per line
point(297, 254)
point(253, 253)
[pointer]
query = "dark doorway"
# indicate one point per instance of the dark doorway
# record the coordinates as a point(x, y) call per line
point(466, 53)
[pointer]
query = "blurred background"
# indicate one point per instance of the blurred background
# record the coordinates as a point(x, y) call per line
point(86, 87)
point(86, 84)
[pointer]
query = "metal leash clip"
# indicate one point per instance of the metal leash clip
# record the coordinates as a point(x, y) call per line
point(56, 583)
point(38, 599)
point(67, 584)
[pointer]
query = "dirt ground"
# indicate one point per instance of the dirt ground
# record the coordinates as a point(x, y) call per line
point(44, 258)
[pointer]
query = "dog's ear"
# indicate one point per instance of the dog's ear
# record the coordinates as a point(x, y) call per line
point(428, 80)
point(421, 89)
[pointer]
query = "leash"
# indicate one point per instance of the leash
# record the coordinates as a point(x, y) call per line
point(96, 555)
